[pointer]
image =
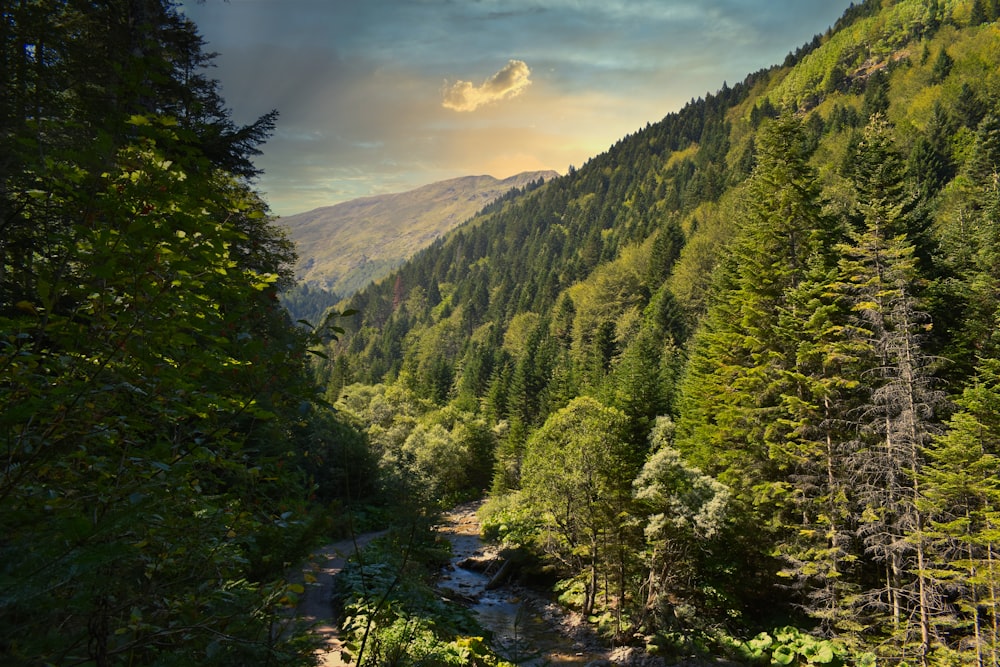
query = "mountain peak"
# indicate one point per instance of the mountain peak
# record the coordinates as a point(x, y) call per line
point(345, 246)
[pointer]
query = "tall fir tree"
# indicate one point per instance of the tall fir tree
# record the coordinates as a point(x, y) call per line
point(818, 547)
point(961, 497)
point(880, 281)
point(743, 414)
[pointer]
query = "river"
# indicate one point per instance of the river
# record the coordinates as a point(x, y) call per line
point(525, 629)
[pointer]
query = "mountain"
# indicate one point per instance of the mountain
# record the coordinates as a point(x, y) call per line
point(344, 247)
point(741, 370)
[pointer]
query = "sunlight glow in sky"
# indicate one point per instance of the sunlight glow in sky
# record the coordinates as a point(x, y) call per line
point(381, 96)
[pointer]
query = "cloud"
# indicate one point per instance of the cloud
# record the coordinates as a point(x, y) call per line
point(508, 82)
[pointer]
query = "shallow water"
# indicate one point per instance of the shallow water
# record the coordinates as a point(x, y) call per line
point(519, 634)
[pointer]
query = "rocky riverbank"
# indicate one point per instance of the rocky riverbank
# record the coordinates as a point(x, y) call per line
point(527, 625)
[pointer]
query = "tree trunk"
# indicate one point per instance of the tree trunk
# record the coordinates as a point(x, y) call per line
point(994, 603)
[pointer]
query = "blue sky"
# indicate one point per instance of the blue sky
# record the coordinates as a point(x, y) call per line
point(380, 96)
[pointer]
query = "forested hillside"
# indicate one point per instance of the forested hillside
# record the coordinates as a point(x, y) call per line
point(342, 248)
point(740, 371)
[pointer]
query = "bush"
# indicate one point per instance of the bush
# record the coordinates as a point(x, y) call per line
point(392, 615)
point(506, 520)
point(789, 646)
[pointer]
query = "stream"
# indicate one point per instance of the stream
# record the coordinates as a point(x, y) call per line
point(524, 631)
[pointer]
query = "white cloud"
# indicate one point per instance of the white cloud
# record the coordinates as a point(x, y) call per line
point(508, 82)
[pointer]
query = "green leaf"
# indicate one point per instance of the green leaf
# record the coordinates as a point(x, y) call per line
point(824, 654)
point(783, 655)
point(761, 642)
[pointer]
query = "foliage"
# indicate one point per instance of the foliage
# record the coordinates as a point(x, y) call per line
point(796, 271)
point(791, 646)
point(682, 511)
point(151, 490)
point(509, 521)
point(679, 497)
point(424, 456)
point(308, 303)
point(391, 616)
point(577, 475)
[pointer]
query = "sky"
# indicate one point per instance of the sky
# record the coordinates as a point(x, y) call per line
point(381, 96)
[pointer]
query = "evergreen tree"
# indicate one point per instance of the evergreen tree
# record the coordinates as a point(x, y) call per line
point(969, 106)
point(934, 16)
point(962, 501)
point(927, 168)
point(733, 383)
point(972, 248)
point(637, 385)
point(942, 67)
point(876, 95)
point(748, 414)
point(977, 15)
point(818, 548)
point(666, 249)
point(880, 279)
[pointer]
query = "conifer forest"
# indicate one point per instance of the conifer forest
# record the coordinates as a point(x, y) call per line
point(730, 389)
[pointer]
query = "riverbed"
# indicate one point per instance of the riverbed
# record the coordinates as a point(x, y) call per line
point(525, 628)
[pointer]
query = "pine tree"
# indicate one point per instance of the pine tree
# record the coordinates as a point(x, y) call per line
point(961, 498)
point(666, 249)
point(972, 248)
point(934, 18)
point(735, 374)
point(969, 107)
point(942, 67)
point(750, 413)
point(977, 15)
point(876, 95)
point(880, 280)
point(637, 387)
point(819, 549)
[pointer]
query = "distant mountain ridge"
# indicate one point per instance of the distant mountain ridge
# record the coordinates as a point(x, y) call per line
point(344, 247)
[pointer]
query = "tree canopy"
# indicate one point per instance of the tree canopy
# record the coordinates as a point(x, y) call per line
point(152, 482)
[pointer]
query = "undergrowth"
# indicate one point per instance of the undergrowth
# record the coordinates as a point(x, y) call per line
point(391, 614)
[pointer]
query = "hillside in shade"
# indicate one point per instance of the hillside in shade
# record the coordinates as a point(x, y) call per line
point(344, 247)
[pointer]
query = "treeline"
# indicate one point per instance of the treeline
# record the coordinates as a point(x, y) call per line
point(309, 303)
point(162, 456)
point(742, 369)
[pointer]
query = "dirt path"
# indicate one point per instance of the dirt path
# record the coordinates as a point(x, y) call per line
point(317, 575)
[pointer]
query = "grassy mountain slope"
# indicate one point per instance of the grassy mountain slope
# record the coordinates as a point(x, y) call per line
point(344, 247)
